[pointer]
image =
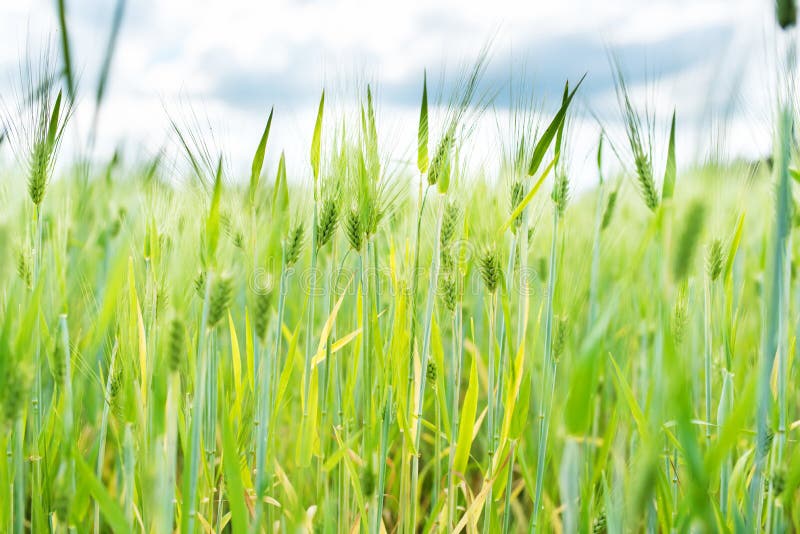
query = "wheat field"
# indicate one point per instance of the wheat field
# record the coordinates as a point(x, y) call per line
point(379, 348)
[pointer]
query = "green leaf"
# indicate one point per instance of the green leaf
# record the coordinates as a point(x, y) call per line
point(467, 421)
point(731, 419)
point(111, 510)
point(443, 183)
point(437, 353)
point(600, 157)
point(31, 315)
point(786, 13)
point(258, 160)
point(233, 478)
point(793, 476)
point(737, 238)
point(560, 133)
point(52, 129)
point(65, 51)
point(315, 141)
point(627, 394)
point(288, 367)
point(517, 394)
point(583, 381)
point(520, 416)
point(111, 45)
point(670, 173)
point(422, 132)
point(355, 480)
point(212, 223)
point(280, 194)
point(547, 137)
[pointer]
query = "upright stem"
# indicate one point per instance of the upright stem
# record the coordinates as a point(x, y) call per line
point(424, 366)
point(522, 244)
point(322, 383)
point(210, 426)
point(325, 365)
point(128, 470)
point(151, 295)
point(268, 392)
point(451, 495)
point(190, 504)
point(310, 317)
point(254, 234)
point(503, 357)
point(11, 482)
point(101, 448)
point(595, 269)
point(68, 415)
point(509, 481)
point(338, 417)
point(414, 288)
point(783, 368)
point(707, 296)
point(387, 411)
point(593, 291)
point(487, 519)
point(544, 410)
point(366, 347)
point(404, 483)
point(36, 400)
point(170, 448)
point(772, 307)
point(773, 519)
point(725, 407)
point(264, 401)
point(376, 288)
point(437, 447)
point(18, 509)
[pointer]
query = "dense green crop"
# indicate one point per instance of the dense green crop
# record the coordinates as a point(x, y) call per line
point(371, 348)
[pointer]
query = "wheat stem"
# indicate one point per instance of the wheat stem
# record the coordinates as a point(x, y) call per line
point(417, 420)
point(545, 400)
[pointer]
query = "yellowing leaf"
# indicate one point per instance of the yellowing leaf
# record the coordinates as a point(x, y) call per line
point(326, 329)
point(249, 351)
point(525, 201)
point(236, 362)
point(319, 357)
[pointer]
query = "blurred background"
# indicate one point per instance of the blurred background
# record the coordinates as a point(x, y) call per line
point(230, 62)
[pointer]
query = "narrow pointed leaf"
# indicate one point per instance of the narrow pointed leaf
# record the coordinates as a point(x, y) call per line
point(233, 478)
point(258, 159)
point(280, 194)
point(111, 510)
point(671, 171)
point(465, 424)
point(316, 140)
point(422, 132)
point(52, 129)
point(213, 221)
point(66, 55)
point(552, 129)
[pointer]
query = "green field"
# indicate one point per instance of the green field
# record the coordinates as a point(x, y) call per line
point(372, 347)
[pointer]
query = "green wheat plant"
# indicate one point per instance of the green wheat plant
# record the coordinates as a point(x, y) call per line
point(391, 334)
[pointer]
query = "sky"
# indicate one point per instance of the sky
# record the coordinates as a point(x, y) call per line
point(230, 62)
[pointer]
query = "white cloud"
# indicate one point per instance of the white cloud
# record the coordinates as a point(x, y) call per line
point(237, 58)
